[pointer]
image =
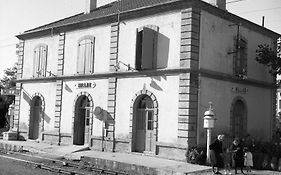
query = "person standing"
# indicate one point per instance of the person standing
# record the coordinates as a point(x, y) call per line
point(216, 154)
point(248, 160)
point(227, 157)
point(238, 155)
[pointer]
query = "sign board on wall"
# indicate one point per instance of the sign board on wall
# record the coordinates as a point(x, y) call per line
point(239, 90)
point(12, 91)
point(85, 85)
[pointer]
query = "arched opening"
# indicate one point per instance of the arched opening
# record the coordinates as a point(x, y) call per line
point(239, 119)
point(81, 132)
point(35, 118)
point(143, 125)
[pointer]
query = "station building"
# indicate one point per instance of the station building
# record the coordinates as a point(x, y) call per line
point(138, 75)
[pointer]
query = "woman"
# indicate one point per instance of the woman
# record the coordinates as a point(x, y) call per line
point(216, 154)
point(238, 155)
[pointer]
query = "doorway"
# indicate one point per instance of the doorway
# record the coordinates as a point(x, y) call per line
point(81, 132)
point(35, 118)
point(239, 119)
point(143, 124)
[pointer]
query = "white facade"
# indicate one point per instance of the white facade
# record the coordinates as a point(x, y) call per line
point(156, 110)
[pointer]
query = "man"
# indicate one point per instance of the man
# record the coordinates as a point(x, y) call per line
point(216, 154)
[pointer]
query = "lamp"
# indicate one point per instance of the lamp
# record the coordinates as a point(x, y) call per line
point(209, 124)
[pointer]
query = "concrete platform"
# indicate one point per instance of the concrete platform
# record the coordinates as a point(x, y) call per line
point(132, 163)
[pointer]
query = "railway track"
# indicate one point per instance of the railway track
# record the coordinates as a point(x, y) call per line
point(57, 165)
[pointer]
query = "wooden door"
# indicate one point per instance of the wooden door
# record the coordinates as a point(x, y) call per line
point(149, 139)
point(238, 119)
point(87, 125)
point(140, 131)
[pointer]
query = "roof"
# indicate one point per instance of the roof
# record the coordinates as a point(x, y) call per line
point(127, 6)
point(106, 10)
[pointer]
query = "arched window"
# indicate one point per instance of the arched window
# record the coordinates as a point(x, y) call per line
point(85, 59)
point(40, 60)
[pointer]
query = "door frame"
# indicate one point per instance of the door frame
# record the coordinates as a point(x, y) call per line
point(90, 108)
point(34, 97)
point(132, 131)
point(244, 118)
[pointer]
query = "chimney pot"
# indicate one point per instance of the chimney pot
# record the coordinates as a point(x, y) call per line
point(219, 3)
point(90, 5)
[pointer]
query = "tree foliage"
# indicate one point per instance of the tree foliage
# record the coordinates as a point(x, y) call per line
point(8, 81)
point(268, 57)
point(9, 78)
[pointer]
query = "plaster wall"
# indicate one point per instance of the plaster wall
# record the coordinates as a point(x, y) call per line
point(168, 51)
point(258, 103)
point(217, 40)
point(47, 90)
point(101, 48)
point(70, 91)
point(165, 90)
point(52, 42)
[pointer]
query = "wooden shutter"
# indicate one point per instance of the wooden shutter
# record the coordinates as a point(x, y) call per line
point(139, 50)
point(43, 60)
point(89, 56)
point(149, 48)
point(36, 62)
point(81, 57)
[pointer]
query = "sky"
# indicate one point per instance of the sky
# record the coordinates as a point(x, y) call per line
point(17, 16)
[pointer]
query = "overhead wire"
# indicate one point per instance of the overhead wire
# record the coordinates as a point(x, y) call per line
point(8, 45)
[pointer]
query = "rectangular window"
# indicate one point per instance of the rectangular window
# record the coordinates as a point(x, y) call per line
point(240, 58)
point(146, 49)
point(279, 104)
point(40, 61)
point(85, 60)
point(149, 120)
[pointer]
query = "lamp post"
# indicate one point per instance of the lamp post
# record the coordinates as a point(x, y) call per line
point(209, 124)
point(11, 114)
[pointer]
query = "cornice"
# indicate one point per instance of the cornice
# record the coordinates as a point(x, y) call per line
point(151, 73)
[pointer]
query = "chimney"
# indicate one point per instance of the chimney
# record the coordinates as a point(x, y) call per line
point(219, 3)
point(104, 2)
point(90, 5)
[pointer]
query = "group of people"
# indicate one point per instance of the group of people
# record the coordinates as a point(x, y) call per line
point(236, 154)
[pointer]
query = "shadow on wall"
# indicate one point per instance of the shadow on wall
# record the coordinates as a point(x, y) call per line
point(163, 46)
point(162, 51)
point(67, 88)
point(47, 118)
point(155, 82)
point(104, 116)
point(26, 97)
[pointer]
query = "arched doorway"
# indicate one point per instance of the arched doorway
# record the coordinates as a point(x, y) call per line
point(239, 119)
point(81, 130)
point(36, 117)
point(143, 125)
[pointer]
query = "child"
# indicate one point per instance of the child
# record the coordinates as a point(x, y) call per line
point(248, 160)
point(227, 161)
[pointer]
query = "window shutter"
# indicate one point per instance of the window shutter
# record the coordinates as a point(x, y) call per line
point(81, 58)
point(147, 48)
point(89, 56)
point(92, 58)
point(43, 61)
point(36, 62)
point(139, 50)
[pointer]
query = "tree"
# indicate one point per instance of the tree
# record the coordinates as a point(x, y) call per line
point(268, 57)
point(8, 81)
point(9, 78)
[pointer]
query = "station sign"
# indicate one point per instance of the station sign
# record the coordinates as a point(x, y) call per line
point(85, 85)
point(9, 92)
